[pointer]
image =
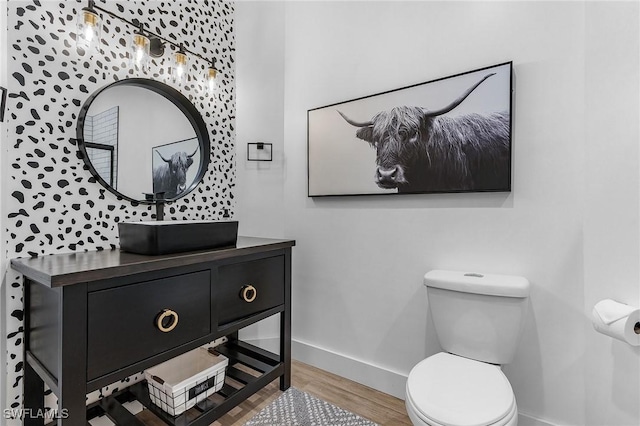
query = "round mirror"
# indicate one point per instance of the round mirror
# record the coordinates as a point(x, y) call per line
point(140, 137)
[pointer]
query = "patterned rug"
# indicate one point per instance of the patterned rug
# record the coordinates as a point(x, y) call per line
point(297, 408)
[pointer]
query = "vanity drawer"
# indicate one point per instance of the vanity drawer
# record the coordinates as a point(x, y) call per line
point(249, 287)
point(131, 323)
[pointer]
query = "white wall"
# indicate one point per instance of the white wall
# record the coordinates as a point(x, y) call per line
point(611, 244)
point(360, 261)
point(259, 30)
point(260, 50)
point(570, 222)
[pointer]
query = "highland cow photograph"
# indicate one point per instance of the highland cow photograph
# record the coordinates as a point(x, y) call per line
point(452, 134)
point(172, 169)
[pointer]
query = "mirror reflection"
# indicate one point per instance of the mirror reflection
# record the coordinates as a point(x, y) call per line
point(140, 142)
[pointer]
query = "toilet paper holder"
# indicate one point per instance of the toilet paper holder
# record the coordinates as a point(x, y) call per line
point(617, 320)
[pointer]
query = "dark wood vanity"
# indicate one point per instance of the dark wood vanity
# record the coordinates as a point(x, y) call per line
point(91, 319)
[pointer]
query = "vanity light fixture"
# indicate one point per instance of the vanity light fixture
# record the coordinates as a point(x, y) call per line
point(145, 45)
point(210, 77)
point(179, 70)
point(140, 48)
point(88, 26)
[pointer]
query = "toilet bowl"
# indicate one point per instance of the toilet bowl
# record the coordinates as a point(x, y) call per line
point(450, 390)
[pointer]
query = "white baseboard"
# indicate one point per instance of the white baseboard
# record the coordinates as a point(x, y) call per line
point(384, 380)
point(527, 420)
point(376, 377)
point(357, 370)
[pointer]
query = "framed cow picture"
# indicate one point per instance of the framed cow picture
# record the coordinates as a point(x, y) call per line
point(452, 134)
point(173, 169)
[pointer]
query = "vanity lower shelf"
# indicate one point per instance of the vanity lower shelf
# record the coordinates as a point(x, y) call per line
point(250, 369)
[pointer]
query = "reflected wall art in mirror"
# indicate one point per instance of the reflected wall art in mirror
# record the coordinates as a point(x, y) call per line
point(140, 136)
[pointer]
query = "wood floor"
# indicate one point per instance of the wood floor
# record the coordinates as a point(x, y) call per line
point(376, 406)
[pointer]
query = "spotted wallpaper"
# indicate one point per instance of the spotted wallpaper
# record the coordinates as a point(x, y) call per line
point(53, 203)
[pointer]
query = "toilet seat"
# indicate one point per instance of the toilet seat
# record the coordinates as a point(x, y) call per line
point(449, 390)
point(418, 419)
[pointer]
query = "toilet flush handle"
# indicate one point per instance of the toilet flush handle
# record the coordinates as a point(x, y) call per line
point(473, 274)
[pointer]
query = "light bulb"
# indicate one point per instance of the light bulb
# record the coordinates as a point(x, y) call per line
point(89, 33)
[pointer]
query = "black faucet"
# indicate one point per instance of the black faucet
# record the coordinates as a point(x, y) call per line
point(159, 200)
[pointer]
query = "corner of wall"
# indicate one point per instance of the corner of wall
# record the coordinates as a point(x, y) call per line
point(260, 116)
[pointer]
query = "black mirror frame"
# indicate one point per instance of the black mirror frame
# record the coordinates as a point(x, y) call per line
point(180, 101)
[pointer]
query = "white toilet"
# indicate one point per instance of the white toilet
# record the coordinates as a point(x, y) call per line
point(478, 319)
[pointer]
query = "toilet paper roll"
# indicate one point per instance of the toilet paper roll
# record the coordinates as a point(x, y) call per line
point(617, 320)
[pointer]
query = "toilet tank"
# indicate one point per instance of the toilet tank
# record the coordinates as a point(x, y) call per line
point(478, 316)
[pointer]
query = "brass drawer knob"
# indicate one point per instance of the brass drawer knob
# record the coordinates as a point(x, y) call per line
point(168, 317)
point(248, 293)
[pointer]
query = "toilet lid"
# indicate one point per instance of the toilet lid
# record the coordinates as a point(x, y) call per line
point(451, 390)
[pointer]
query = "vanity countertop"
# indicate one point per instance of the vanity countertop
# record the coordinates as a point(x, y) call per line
point(58, 270)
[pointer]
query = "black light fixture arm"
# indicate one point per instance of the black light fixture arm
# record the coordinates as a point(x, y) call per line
point(140, 26)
